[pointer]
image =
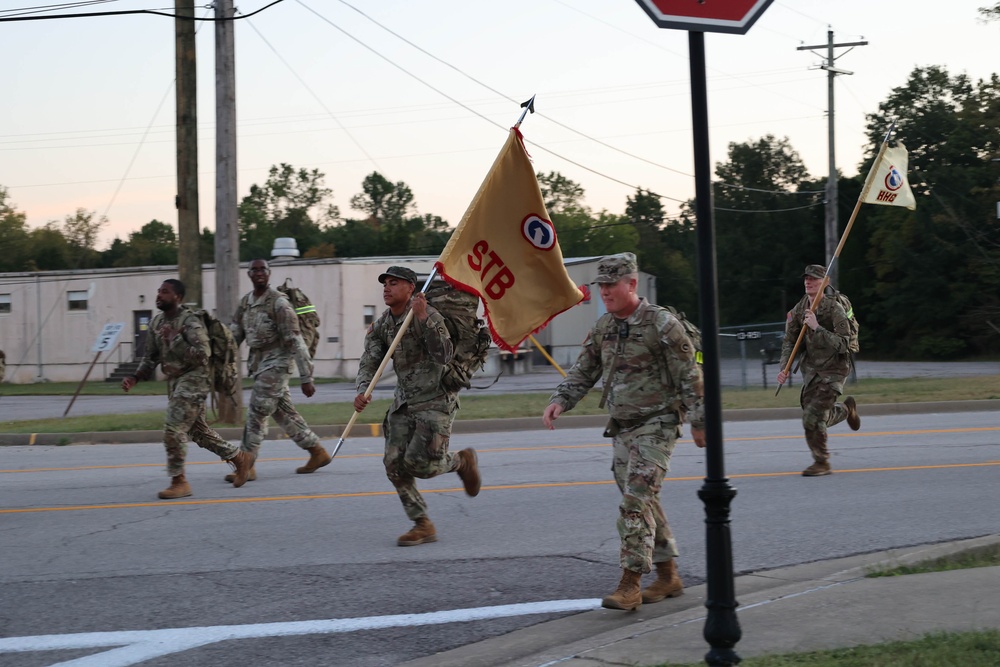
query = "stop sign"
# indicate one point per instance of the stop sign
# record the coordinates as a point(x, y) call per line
point(734, 16)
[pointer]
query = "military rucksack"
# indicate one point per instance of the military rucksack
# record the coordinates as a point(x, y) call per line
point(223, 375)
point(469, 335)
point(306, 312)
point(852, 343)
point(692, 331)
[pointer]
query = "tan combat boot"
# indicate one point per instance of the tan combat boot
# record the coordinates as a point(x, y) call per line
point(251, 477)
point(242, 466)
point(468, 471)
point(627, 596)
point(817, 469)
point(318, 458)
point(667, 585)
point(422, 532)
point(179, 488)
point(853, 419)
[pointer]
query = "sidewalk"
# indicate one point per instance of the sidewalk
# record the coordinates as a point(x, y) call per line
point(816, 606)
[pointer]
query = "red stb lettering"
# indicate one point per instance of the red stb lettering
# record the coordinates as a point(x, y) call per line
point(476, 258)
point(500, 283)
point(483, 260)
point(886, 196)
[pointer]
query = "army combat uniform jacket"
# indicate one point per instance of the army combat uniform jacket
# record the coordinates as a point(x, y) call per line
point(270, 328)
point(419, 360)
point(184, 360)
point(824, 353)
point(636, 374)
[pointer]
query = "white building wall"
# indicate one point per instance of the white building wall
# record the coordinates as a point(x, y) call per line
point(60, 349)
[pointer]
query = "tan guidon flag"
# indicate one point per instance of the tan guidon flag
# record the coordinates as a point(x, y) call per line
point(890, 186)
point(505, 251)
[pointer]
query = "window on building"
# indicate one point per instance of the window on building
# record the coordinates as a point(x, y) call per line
point(77, 299)
point(369, 315)
point(4, 303)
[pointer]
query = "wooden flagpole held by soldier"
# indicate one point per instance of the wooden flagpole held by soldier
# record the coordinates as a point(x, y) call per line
point(381, 367)
point(847, 230)
point(528, 106)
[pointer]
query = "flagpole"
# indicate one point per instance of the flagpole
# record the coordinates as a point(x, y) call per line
point(840, 246)
point(381, 367)
point(528, 106)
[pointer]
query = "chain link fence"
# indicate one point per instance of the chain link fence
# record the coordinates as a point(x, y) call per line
point(750, 354)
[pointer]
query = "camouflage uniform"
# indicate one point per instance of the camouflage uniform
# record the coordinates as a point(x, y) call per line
point(648, 398)
point(825, 362)
point(418, 424)
point(270, 328)
point(185, 363)
point(3, 364)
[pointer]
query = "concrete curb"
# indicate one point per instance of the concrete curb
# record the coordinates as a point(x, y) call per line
point(486, 425)
point(672, 631)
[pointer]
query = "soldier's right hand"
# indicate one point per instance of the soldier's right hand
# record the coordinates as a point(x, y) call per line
point(552, 412)
point(782, 376)
point(361, 402)
point(128, 382)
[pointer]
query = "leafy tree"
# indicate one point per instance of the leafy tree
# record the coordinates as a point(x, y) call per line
point(48, 248)
point(559, 193)
point(670, 264)
point(382, 200)
point(933, 279)
point(14, 236)
point(768, 226)
point(292, 203)
point(990, 13)
point(353, 238)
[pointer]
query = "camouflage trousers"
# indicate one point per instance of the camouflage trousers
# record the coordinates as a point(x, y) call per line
point(820, 410)
point(270, 398)
point(641, 458)
point(186, 418)
point(416, 446)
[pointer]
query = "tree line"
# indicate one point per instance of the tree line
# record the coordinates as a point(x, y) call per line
point(925, 283)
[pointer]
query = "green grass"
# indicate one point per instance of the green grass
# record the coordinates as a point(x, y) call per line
point(951, 649)
point(102, 388)
point(486, 405)
point(988, 557)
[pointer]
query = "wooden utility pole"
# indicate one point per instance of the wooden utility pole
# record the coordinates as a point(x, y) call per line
point(188, 260)
point(832, 233)
point(227, 238)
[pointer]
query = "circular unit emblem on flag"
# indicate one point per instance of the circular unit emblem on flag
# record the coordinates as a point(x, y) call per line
point(894, 179)
point(539, 232)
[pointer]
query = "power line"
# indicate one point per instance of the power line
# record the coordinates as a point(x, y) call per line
point(153, 12)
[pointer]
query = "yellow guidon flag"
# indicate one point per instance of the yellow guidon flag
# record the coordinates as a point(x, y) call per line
point(890, 186)
point(505, 251)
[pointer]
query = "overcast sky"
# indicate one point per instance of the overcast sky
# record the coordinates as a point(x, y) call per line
point(423, 91)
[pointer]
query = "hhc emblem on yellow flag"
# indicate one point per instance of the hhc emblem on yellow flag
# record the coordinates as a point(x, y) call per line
point(890, 186)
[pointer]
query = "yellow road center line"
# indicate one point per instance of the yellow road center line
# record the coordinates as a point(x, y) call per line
point(504, 487)
point(375, 427)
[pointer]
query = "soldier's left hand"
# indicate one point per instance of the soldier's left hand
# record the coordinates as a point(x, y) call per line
point(698, 434)
point(811, 320)
point(418, 302)
point(308, 388)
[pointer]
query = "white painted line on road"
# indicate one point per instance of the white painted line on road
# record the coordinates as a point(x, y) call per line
point(136, 646)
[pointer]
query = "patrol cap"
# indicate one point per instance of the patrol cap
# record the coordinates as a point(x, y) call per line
point(400, 272)
point(815, 271)
point(615, 267)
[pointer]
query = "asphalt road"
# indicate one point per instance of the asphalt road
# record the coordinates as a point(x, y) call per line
point(304, 568)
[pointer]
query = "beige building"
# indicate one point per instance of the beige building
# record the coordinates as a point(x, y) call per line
point(50, 322)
